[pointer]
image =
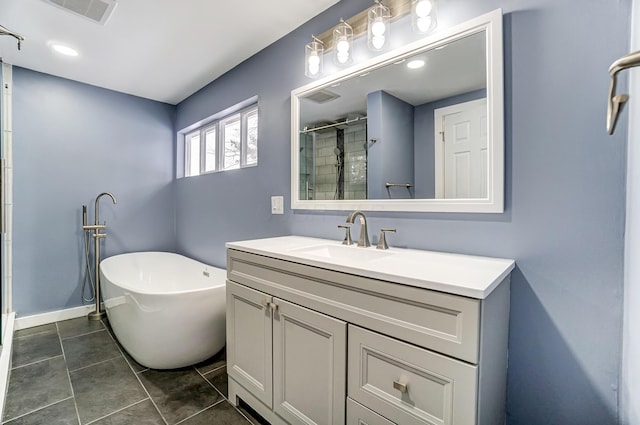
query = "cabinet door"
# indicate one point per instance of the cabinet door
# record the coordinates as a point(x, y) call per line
point(309, 366)
point(249, 340)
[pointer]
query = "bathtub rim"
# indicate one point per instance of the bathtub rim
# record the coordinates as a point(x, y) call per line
point(221, 284)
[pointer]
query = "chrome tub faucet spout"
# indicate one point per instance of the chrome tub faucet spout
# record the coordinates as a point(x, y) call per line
point(97, 205)
point(363, 240)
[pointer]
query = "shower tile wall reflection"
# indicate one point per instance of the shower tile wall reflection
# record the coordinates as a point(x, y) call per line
point(74, 372)
point(333, 163)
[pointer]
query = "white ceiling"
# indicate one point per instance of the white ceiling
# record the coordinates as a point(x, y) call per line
point(163, 50)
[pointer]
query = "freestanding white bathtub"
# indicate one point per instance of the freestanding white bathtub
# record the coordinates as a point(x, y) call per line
point(167, 311)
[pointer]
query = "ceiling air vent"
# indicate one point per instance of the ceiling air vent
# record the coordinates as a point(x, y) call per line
point(98, 11)
point(322, 96)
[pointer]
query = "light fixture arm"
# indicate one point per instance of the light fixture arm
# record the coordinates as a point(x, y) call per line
point(5, 31)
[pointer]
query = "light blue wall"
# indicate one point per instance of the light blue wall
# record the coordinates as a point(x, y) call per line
point(564, 194)
point(424, 136)
point(72, 141)
point(390, 159)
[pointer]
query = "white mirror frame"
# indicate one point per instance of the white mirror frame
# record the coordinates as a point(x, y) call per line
point(491, 23)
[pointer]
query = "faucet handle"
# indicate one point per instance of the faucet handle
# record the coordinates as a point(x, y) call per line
point(347, 235)
point(382, 243)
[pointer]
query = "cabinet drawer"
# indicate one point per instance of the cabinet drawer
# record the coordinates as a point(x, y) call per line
point(357, 414)
point(407, 384)
point(445, 323)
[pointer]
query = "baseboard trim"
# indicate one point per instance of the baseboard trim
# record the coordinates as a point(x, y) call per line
point(5, 359)
point(52, 317)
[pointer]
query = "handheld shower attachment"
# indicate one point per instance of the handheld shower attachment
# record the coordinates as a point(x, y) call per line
point(5, 31)
point(338, 156)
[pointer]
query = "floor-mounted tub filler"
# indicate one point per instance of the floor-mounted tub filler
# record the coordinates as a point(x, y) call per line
point(167, 310)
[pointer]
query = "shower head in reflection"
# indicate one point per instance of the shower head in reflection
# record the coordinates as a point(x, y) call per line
point(337, 151)
point(5, 31)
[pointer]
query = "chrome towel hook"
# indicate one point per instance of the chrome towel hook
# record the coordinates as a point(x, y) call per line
point(617, 101)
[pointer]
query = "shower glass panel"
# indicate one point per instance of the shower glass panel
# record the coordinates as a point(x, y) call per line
point(307, 164)
point(333, 162)
point(3, 298)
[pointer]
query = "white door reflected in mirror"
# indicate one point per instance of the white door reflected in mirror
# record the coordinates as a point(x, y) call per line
point(461, 150)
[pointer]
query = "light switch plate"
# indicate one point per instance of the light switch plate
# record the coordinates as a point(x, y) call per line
point(277, 205)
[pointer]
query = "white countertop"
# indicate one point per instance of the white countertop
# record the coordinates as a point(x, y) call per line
point(466, 275)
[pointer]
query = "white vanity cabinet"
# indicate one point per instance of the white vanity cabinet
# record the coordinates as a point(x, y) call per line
point(314, 341)
point(289, 357)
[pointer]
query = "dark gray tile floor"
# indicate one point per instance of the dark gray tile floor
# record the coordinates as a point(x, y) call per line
point(75, 373)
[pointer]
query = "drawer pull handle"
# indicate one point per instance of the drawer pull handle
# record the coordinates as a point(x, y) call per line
point(400, 386)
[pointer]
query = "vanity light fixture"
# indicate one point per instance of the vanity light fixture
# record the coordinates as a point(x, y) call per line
point(378, 26)
point(343, 43)
point(313, 55)
point(423, 16)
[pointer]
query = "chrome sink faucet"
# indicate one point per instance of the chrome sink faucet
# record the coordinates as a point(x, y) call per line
point(363, 240)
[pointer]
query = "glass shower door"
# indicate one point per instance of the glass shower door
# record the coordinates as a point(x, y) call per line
point(2, 207)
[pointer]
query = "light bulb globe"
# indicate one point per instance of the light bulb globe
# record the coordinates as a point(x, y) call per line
point(424, 24)
point(378, 28)
point(314, 60)
point(314, 68)
point(342, 46)
point(378, 41)
point(423, 8)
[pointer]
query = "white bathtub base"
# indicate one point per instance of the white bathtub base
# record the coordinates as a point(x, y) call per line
point(166, 310)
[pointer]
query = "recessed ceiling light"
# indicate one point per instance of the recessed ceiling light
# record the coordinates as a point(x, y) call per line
point(416, 63)
point(63, 50)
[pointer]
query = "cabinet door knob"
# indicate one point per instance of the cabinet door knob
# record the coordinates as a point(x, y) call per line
point(400, 386)
point(269, 304)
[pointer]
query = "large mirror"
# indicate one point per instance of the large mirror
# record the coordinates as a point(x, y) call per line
point(416, 129)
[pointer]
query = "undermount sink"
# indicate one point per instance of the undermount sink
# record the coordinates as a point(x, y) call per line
point(343, 252)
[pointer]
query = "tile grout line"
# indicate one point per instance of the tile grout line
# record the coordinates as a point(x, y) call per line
point(84, 334)
point(33, 334)
point(224, 398)
point(38, 361)
point(117, 411)
point(37, 410)
point(212, 370)
point(203, 410)
point(66, 366)
point(210, 384)
point(95, 364)
point(137, 377)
